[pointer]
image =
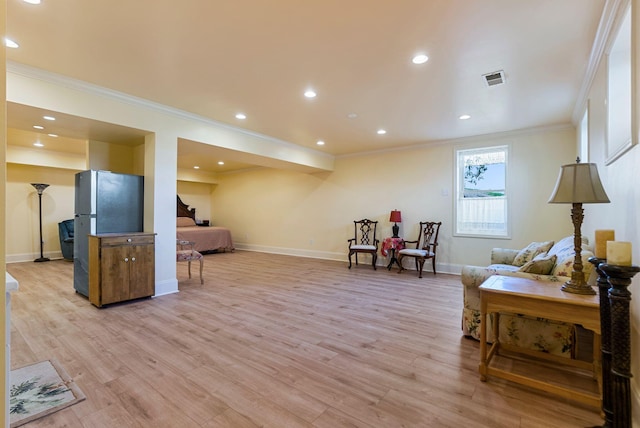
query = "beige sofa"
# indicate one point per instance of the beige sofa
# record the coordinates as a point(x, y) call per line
point(544, 261)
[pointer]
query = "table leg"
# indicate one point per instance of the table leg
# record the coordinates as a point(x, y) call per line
point(393, 260)
point(483, 338)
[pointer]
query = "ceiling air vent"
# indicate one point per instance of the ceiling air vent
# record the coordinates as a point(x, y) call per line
point(495, 78)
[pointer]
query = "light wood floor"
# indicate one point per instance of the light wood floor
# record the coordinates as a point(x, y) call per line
point(272, 341)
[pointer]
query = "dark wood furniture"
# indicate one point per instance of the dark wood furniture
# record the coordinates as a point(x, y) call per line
point(364, 240)
point(183, 209)
point(425, 246)
point(613, 282)
point(542, 299)
point(121, 267)
point(392, 245)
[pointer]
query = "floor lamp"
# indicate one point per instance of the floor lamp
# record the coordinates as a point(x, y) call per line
point(40, 188)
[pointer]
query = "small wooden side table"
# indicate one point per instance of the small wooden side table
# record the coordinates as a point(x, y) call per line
point(546, 300)
point(391, 245)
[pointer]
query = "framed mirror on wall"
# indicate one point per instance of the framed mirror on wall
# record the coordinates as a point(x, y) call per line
point(622, 97)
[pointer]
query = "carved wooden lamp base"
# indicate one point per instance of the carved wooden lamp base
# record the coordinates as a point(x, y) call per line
point(577, 284)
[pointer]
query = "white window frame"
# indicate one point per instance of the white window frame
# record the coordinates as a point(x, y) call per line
point(459, 228)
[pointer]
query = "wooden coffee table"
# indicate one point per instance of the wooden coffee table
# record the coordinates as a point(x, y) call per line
point(545, 300)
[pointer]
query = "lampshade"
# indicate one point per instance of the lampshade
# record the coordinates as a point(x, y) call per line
point(578, 183)
point(40, 187)
point(396, 216)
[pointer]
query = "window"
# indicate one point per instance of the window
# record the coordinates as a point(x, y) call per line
point(481, 207)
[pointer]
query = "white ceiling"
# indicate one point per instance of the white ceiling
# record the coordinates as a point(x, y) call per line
point(217, 58)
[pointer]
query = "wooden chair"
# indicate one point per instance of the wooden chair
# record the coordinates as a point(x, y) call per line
point(364, 240)
point(425, 248)
point(185, 252)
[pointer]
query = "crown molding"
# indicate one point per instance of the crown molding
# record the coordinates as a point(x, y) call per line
point(464, 140)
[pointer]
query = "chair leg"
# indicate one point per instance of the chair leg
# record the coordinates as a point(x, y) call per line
point(189, 264)
point(350, 254)
point(433, 262)
point(201, 264)
point(421, 263)
point(400, 267)
point(374, 257)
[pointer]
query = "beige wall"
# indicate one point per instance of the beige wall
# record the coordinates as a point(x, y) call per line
point(115, 157)
point(312, 214)
point(22, 234)
point(620, 180)
point(58, 170)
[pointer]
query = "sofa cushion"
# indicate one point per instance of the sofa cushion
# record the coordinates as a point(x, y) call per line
point(530, 251)
point(541, 264)
point(500, 267)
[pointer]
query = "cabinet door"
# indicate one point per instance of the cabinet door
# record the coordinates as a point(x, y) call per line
point(115, 265)
point(142, 271)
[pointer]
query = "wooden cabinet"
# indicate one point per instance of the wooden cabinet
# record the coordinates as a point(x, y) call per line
point(121, 267)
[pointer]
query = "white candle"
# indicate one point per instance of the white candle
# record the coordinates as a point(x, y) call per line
point(602, 236)
point(619, 253)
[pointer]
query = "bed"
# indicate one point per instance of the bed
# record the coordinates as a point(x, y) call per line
point(206, 239)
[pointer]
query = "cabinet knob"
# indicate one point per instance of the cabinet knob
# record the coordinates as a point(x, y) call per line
point(126, 259)
point(133, 259)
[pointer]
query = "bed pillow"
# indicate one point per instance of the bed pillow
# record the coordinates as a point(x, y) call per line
point(185, 222)
point(542, 264)
point(527, 254)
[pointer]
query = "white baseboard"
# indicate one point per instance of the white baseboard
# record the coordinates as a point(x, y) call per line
point(29, 257)
point(453, 269)
point(326, 255)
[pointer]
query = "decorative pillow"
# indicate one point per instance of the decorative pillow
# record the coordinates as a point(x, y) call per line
point(185, 221)
point(542, 264)
point(530, 251)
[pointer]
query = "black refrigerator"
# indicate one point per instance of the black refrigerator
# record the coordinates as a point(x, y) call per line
point(105, 202)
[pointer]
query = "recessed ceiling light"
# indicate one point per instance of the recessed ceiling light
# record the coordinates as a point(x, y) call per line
point(196, 167)
point(32, 1)
point(381, 132)
point(53, 135)
point(420, 59)
point(10, 43)
point(241, 116)
point(38, 144)
point(48, 118)
point(352, 115)
point(38, 127)
point(320, 143)
point(220, 163)
point(310, 93)
point(464, 117)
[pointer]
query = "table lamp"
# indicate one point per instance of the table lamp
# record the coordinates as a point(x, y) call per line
point(578, 183)
point(395, 217)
